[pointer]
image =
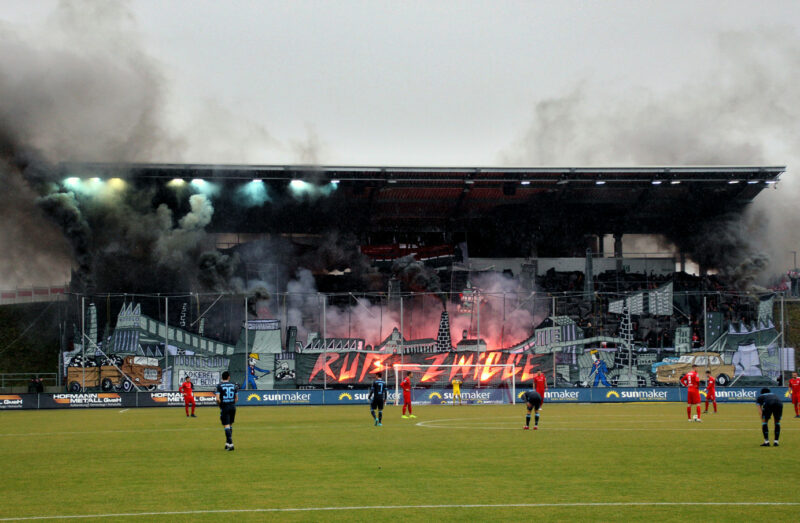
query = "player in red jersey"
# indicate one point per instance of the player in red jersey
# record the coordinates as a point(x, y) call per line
point(406, 386)
point(711, 391)
point(691, 381)
point(188, 395)
point(540, 384)
point(794, 386)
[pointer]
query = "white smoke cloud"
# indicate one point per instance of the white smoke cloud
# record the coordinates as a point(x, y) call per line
point(743, 110)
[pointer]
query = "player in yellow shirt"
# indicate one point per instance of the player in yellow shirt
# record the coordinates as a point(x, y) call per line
point(456, 390)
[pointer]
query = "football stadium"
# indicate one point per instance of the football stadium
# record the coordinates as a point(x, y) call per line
point(448, 294)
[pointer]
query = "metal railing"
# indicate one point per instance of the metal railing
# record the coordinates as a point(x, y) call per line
point(23, 379)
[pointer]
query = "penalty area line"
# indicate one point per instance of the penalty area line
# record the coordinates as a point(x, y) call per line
point(411, 507)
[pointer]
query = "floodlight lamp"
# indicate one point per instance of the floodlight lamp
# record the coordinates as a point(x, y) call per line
point(599, 182)
point(656, 182)
point(525, 182)
point(674, 182)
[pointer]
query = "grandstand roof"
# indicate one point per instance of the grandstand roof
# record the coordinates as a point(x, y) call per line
point(574, 200)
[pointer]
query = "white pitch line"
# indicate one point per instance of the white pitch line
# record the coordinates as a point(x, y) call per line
point(487, 425)
point(138, 431)
point(124, 410)
point(411, 507)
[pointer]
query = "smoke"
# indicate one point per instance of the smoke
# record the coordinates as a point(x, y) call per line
point(742, 110)
point(417, 277)
point(507, 314)
point(258, 297)
point(81, 88)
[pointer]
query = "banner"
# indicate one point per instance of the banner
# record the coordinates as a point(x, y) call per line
point(280, 397)
point(174, 399)
point(18, 401)
point(360, 368)
point(438, 396)
point(616, 395)
point(88, 399)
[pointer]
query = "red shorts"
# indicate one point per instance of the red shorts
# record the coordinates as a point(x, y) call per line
point(795, 398)
point(693, 397)
point(541, 393)
point(711, 396)
point(406, 398)
point(188, 400)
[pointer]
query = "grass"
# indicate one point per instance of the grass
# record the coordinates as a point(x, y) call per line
point(102, 462)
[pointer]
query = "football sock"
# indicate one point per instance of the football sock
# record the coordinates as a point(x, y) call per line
point(689, 412)
point(409, 408)
point(715, 405)
point(698, 412)
point(765, 430)
point(404, 409)
point(380, 416)
point(371, 411)
point(192, 409)
point(536, 420)
point(528, 420)
point(229, 435)
point(777, 430)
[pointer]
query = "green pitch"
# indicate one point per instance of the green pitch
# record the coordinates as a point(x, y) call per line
point(631, 462)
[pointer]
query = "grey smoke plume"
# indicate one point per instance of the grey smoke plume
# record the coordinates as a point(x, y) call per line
point(258, 296)
point(82, 89)
point(742, 110)
point(417, 277)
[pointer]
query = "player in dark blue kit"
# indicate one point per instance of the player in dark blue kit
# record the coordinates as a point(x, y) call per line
point(227, 395)
point(377, 393)
point(770, 405)
point(533, 401)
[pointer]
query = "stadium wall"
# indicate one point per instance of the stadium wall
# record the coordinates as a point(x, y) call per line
point(470, 396)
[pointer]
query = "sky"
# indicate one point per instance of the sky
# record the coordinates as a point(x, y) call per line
point(472, 83)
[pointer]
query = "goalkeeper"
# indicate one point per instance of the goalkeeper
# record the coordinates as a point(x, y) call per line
point(456, 390)
point(533, 403)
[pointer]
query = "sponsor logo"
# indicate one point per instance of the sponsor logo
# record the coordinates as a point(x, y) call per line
point(176, 398)
point(562, 395)
point(283, 397)
point(10, 400)
point(345, 396)
point(703, 393)
point(612, 393)
point(521, 395)
point(474, 395)
point(645, 395)
point(89, 399)
point(434, 395)
point(788, 394)
point(737, 394)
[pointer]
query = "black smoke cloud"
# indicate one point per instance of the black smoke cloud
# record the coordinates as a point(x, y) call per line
point(742, 109)
point(82, 89)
